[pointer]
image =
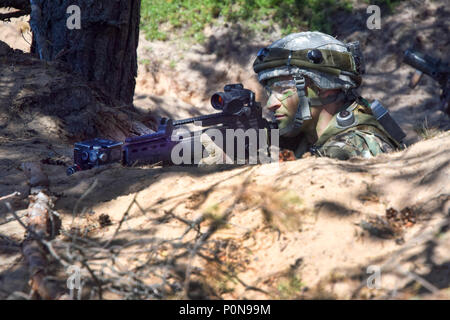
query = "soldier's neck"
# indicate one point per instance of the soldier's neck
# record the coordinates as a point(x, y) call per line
point(323, 117)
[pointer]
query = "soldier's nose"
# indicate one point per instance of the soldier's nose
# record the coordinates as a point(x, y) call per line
point(273, 104)
point(274, 107)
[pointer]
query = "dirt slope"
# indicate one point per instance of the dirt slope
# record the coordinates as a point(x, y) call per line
point(314, 229)
point(301, 229)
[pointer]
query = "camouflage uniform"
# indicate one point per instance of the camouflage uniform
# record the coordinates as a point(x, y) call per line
point(367, 139)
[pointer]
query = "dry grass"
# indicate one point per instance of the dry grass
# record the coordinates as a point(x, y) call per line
point(425, 131)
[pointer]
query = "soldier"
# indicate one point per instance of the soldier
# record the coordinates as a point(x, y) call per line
point(310, 79)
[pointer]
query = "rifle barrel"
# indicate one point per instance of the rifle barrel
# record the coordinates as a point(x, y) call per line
point(199, 118)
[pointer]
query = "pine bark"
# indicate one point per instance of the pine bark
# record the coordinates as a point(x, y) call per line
point(102, 51)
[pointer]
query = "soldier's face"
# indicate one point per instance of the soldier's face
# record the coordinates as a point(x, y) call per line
point(283, 100)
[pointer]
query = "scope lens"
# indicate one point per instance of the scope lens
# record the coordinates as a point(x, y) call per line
point(93, 156)
point(84, 156)
point(103, 157)
point(217, 101)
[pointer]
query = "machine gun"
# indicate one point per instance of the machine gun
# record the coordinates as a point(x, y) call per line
point(239, 110)
point(433, 67)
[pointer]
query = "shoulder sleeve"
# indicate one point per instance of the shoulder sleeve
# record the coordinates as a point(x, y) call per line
point(355, 143)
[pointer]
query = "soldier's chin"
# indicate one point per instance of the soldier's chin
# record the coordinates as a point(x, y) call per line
point(288, 129)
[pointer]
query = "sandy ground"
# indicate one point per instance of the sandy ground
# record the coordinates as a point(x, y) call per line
point(16, 33)
point(304, 229)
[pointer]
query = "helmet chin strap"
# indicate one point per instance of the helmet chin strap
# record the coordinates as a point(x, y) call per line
point(304, 103)
point(303, 109)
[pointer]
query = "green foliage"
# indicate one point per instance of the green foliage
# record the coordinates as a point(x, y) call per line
point(159, 18)
point(144, 62)
point(390, 4)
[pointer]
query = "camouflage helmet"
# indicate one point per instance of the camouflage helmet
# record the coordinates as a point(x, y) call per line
point(328, 62)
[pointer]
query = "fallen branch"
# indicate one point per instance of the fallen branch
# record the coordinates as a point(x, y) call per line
point(8, 205)
point(10, 197)
point(424, 283)
point(141, 129)
point(124, 217)
point(16, 14)
point(38, 229)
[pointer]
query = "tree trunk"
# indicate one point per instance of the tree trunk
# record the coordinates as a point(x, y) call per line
point(102, 51)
